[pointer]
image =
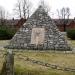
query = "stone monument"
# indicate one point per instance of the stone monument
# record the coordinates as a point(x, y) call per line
point(39, 33)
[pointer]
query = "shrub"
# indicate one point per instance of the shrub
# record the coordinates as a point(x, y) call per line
point(71, 34)
point(6, 33)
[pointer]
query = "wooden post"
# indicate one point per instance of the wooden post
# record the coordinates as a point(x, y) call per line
point(8, 65)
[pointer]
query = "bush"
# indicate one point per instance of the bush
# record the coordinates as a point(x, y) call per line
point(6, 33)
point(71, 34)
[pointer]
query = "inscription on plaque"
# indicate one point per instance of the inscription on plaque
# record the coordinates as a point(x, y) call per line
point(37, 36)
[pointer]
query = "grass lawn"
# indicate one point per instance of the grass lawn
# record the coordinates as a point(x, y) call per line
point(23, 67)
point(73, 42)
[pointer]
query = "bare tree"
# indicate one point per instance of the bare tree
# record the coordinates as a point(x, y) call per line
point(2, 15)
point(46, 7)
point(18, 9)
point(64, 13)
point(23, 8)
point(7, 15)
point(26, 6)
point(58, 14)
point(68, 12)
point(29, 6)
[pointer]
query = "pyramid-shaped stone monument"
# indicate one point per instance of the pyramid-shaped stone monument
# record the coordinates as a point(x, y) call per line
point(39, 33)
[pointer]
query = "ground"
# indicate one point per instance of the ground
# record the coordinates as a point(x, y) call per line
point(22, 66)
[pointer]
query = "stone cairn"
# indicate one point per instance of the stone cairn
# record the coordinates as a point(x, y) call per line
point(39, 33)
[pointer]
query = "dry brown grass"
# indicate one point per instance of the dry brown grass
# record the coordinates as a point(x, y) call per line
point(62, 59)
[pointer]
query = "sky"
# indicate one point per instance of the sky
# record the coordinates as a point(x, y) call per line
point(9, 5)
